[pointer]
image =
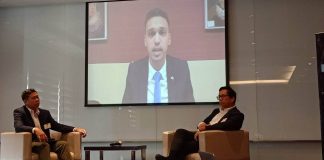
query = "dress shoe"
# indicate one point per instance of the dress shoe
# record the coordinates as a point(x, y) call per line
point(160, 157)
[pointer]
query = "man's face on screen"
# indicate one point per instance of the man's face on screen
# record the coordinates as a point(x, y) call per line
point(157, 39)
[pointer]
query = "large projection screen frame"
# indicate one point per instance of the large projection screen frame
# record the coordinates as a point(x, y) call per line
point(97, 64)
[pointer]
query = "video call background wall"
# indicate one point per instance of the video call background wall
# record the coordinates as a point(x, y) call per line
point(43, 47)
point(126, 32)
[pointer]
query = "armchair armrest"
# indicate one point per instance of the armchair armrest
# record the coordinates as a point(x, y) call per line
point(16, 145)
point(167, 138)
point(225, 144)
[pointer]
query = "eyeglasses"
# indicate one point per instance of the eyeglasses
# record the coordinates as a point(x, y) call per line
point(221, 96)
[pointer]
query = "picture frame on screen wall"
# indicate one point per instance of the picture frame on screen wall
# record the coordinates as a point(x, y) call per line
point(97, 21)
point(214, 14)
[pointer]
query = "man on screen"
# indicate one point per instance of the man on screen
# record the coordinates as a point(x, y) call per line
point(159, 77)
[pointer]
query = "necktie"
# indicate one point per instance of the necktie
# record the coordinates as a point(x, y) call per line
point(157, 89)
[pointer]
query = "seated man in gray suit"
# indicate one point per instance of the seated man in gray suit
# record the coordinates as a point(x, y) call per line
point(31, 118)
point(158, 78)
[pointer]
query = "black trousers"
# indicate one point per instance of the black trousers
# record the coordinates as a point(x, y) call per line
point(183, 144)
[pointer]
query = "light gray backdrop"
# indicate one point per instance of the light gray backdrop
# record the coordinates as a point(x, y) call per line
point(44, 47)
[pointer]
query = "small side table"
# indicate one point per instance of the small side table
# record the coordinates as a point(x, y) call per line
point(115, 148)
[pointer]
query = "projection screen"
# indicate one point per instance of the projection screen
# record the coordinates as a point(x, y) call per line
point(155, 52)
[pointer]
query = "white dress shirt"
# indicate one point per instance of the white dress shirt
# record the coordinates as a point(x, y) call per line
point(35, 118)
point(220, 115)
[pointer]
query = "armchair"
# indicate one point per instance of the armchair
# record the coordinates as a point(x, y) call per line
point(17, 146)
point(225, 145)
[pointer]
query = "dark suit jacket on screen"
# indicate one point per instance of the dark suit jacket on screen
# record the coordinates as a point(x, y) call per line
point(178, 79)
point(231, 121)
point(23, 122)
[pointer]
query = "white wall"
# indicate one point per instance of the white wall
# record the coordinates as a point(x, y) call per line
point(43, 47)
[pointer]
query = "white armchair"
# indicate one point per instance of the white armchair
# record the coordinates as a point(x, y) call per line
point(224, 145)
point(17, 146)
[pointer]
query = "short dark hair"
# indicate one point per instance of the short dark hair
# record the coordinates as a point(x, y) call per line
point(26, 93)
point(156, 12)
point(230, 92)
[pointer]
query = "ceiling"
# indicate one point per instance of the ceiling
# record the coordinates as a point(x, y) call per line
point(14, 3)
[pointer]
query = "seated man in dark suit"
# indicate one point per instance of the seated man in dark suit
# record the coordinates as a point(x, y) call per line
point(158, 77)
point(227, 118)
point(31, 118)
